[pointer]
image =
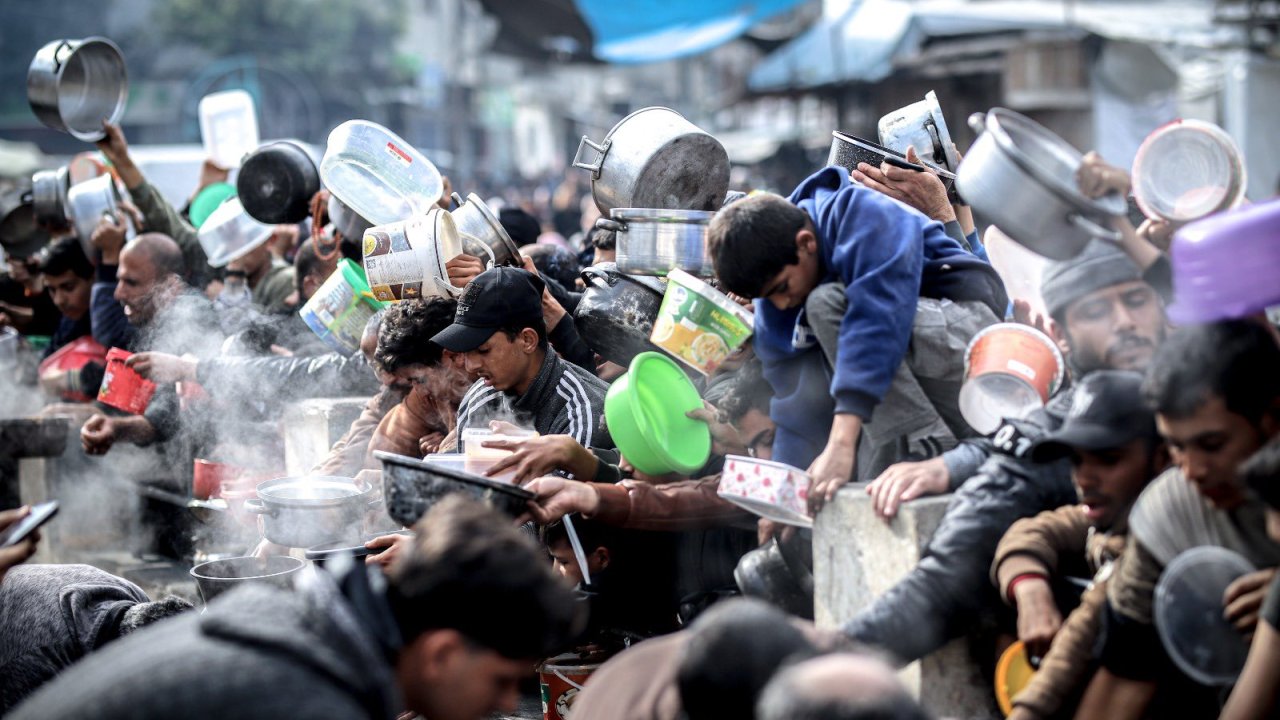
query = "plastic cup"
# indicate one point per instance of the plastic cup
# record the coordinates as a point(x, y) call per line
point(122, 388)
point(645, 411)
point(699, 325)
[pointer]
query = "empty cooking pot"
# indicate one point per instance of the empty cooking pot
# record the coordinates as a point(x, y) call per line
point(88, 202)
point(346, 220)
point(655, 242)
point(301, 512)
point(616, 313)
point(49, 197)
point(72, 85)
point(20, 236)
point(276, 183)
point(477, 224)
point(848, 150)
point(922, 126)
point(1023, 177)
point(216, 577)
point(654, 158)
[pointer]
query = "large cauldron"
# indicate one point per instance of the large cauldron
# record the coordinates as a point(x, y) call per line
point(411, 486)
point(616, 313)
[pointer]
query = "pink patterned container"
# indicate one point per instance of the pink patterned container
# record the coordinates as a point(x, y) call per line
point(772, 490)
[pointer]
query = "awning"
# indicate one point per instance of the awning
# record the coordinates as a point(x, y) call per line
point(864, 43)
point(643, 31)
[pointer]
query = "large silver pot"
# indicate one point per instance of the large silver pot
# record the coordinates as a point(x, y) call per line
point(347, 221)
point(1022, 177)
point(920, 125)
point(88, 202)
point(301, 512)
point(654, 158)
point(49, 196)
point(72, 85)
point(655, 242)
point(481, 233)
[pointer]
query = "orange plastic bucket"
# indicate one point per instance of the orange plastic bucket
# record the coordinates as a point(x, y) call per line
point(560, 679)
point(1010, 369)
point(122, 388)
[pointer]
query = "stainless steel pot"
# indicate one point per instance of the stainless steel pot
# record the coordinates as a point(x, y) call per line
point(655, 242)
point(849, 150)
point(88, 202)
point(922, 126)
point(49, 197)
point(301, 512)
point(72, 85)
point(219, 576)
point(1022, 177)
point(346, 220)
point(478, 225)
point(616, 313)
point(654, 158)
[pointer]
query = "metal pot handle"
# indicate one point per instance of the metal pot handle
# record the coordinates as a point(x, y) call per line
point(595, 276)
point(602, 149)
point(1092, 227)
point(255, 506)
point(611, 225)
point(978, 122)
point(457, 199)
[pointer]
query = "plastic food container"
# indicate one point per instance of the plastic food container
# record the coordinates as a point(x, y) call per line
point(1188, 615)
point(228, 127)
point(377, 174)
point(645, 412)
point(772, 490)
point(405, 260)
point(122, 388)
point(1013, 674)
point(71, 358)
point(230, 233)
point(1225, 265)
point(699, 325)
point(560, 679)
point(473, 464)
point(1010, 369)
point(1187, 169)
point(341, 308)
point(473, 440)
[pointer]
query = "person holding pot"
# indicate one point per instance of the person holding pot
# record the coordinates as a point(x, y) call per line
point(863, 309)
point(449, 633)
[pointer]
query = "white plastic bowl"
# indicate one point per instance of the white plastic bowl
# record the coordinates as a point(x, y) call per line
point(377, 174)
point(1186, 170)
point(230, 233)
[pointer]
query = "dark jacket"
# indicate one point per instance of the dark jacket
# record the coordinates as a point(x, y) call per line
point(886, 255)
point(257, 652)
point(941, 597)
point(69, 330)
point(285, 379)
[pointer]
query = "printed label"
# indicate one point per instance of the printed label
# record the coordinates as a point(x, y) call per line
point(398, 154)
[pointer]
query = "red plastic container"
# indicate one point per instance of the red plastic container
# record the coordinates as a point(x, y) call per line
point(122, 388)
point(72, 357)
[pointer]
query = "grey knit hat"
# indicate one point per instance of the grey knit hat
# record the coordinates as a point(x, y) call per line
point(1101, 265)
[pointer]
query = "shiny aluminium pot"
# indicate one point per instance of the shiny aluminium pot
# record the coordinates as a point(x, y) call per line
point(655, 158)
point(346, 220)
point(655, 242)
point(49, 196)
point(477, 224)
point(301, 512)
point(922, 126)
point(72, 85)
point(1022, 177)
point(88, 202)
point(616, 313)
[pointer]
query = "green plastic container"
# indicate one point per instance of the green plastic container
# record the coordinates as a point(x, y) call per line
point(208, 200)
point(340, 309)
point(645, 411)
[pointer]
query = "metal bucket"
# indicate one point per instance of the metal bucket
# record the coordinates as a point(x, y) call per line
point(72, 85)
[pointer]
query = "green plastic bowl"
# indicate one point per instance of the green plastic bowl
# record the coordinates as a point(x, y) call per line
point(208, 200)
point(645, 411)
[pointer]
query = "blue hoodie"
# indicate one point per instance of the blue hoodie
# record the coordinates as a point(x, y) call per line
point(886, 255)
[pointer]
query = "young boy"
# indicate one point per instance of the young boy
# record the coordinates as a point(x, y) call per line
point(870, 308)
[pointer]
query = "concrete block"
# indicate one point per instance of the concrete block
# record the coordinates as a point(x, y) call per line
point(311, 427)
point(857, 557)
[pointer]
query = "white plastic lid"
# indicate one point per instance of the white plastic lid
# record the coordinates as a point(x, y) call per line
point(228, 126)
point(1188, 614)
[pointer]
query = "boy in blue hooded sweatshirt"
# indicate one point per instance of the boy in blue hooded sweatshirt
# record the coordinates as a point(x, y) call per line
point(864, 308)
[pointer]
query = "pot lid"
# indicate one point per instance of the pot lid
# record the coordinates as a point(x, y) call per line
point(1188, 614)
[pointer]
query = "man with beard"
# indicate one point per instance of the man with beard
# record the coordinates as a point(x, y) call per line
point(1216, 395)
point(1107, 318)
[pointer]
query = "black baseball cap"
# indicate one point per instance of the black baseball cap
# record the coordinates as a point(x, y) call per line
point(1107, 411)
point(499, 297)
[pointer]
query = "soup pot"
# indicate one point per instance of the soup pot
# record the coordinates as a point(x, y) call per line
point(655, 242)
point(276, 183)
point(73, 84)
point(301, 512)
point(655, 158)
point(477, 222)
point(616, 313)
point(49, 196)
point(1022, 177)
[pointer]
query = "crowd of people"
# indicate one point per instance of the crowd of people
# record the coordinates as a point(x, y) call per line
point(866, 288)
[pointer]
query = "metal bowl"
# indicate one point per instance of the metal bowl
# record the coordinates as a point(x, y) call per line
point(73, 84)
point(216, 577)
point(411, 486)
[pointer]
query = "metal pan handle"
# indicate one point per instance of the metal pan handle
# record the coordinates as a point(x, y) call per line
point(57, 58)
point(611, 225)
point(601, 149)
point(1093, 228)
point(255, 506)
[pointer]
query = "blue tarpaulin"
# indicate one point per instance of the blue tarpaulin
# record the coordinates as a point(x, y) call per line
point(640, 31)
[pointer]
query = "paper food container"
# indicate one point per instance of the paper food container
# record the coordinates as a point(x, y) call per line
point(772, 490)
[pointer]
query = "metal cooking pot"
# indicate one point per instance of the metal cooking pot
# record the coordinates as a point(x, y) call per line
point(49, 197)
point(219, 576)
point(73, 84)
point(848, 150)
point(1022, 177)
point(20, 236)
point(616, 313)
point(346, 220)
point(655, 242)
point(88, 202)
point(276, 183)
point(477, 225)
point(763, 573)
point(922, 126)
point(654, 158)
point(411, 486)
point(301, 512)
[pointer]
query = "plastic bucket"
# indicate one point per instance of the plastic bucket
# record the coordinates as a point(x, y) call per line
point(699, 325)
point(341, 308)
point(72, 357)
point(560, 679)
point(122, 388)
point(645, 412)
point(405, 260)
point(1010, 369)
point(208, 477)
